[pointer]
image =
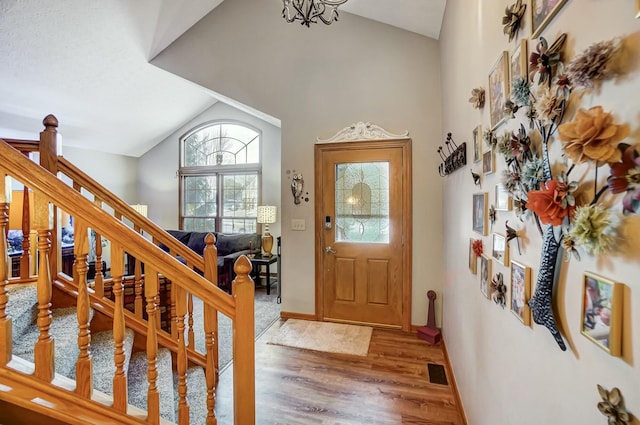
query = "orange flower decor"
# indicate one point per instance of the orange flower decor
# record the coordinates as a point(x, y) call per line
point(548, 203)
point(592, 135)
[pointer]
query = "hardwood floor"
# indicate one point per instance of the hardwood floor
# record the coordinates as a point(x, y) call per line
point(388, 386)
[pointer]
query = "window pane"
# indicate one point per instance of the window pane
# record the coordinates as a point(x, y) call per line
point(235, 225)
point(362, 202)
point(221, 144)
point(199, 196)
point(200, 224)
point(240, 195)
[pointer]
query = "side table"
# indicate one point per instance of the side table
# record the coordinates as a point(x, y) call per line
point(260, 260)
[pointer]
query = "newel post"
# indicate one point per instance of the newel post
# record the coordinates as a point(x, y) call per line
point(49, 142)
point(211, 327)
point(244, 382)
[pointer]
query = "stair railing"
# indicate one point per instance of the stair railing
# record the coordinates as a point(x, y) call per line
point(50, 193)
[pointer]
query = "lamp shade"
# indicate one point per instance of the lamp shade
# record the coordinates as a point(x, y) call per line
point(142, 209)
point(266, 214)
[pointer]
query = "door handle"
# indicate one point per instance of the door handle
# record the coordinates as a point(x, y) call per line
point(329, 250)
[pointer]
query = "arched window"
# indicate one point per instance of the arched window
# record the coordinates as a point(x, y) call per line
point(219, 172)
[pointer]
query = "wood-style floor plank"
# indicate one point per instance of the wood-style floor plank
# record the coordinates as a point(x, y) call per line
point(389, 386)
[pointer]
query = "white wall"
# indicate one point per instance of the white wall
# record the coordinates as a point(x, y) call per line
point(509, 373)
point(317, 81)
point(118, 173)
point(158, 181)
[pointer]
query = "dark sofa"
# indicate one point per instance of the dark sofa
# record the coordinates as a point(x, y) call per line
point(230, 246)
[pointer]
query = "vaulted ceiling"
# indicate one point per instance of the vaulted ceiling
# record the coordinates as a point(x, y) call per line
point(88, 63)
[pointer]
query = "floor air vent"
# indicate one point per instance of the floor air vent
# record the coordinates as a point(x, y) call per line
point(437, 374)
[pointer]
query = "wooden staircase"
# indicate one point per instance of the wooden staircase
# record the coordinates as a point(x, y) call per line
point(38, 386)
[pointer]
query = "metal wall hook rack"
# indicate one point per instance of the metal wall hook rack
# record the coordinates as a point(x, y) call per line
point(454, 157)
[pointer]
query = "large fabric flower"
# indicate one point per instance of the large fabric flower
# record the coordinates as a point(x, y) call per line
point(547, 203)
point(548, 106)
point(592, 135)
point(592, 66)
point(594, 228)
point(625, 177)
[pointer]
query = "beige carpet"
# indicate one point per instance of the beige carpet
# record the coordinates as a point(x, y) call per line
point(324, 336)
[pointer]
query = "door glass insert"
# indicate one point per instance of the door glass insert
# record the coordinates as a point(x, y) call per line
point(362, 202)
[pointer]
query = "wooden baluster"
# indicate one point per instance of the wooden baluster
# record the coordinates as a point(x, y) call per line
point(211, 329)
point(120, 399)
point(244, 391)
point(78, 188)
point(151, 295)
point(137, 271)
point(191, 338)
point(173, 314)
point(181, 310)
point(5, 321)
point(84, 365)
point(98, 284)
point(25, 259)
point(44, 349)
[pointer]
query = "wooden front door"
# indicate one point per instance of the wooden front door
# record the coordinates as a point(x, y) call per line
point(363, 237)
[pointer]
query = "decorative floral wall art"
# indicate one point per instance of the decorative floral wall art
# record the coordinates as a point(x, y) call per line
point(498, 89)
point(542, 12)
point(520, 291)
point(499, 290)
point(512, 18)
point(477, 98)
point(602, 312)
point(563, 193)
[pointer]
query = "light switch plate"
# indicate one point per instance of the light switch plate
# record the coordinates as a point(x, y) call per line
point(298, 224)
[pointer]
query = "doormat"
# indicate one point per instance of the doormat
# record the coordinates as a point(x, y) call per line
point(437, 374)
point(324, 336)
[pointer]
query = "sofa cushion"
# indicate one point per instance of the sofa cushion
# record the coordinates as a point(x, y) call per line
point(234, 242)
point(196, 241)
point(180, 235)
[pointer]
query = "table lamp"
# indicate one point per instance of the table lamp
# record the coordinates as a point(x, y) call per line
point(266, 216)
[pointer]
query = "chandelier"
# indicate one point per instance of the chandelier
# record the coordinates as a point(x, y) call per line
point(308, 11)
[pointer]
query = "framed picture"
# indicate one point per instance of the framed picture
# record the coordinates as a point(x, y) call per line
point(602, 312)
point(477, 143)
point(498, 89)
point(488, 162)
point(500, 249)
point(480, 201)
point(519, 60)
point(637, 9)
point(520, 291)
point(473, 263)
point(485, 275)
point(542, 12)
point(503, 198)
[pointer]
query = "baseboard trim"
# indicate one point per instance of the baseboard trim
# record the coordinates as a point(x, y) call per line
point(301, 316)
point(454, 384)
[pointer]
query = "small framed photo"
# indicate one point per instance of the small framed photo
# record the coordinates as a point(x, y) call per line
point(488, 162)
point(477, 143)
point(637, 9)
point(473, 259)
point(498, 89)
point(520, 292)
point(500, 249)
point(480, 203)
point(520, 60)
point(485, 275)
point(503, 198)
point(542, 12)
point(602, 312)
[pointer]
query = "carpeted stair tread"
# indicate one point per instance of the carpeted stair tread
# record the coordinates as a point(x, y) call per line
point(102, 352)
point(22, 307)
point(138, 384)
point(196, 395)
point(64, 330)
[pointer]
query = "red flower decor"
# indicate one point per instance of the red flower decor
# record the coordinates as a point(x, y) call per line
point(477, 247)
point(548, 203)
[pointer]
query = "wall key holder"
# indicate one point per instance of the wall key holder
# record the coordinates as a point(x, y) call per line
point(456, 157)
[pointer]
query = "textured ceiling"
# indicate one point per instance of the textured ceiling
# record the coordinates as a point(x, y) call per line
point(87, 63)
